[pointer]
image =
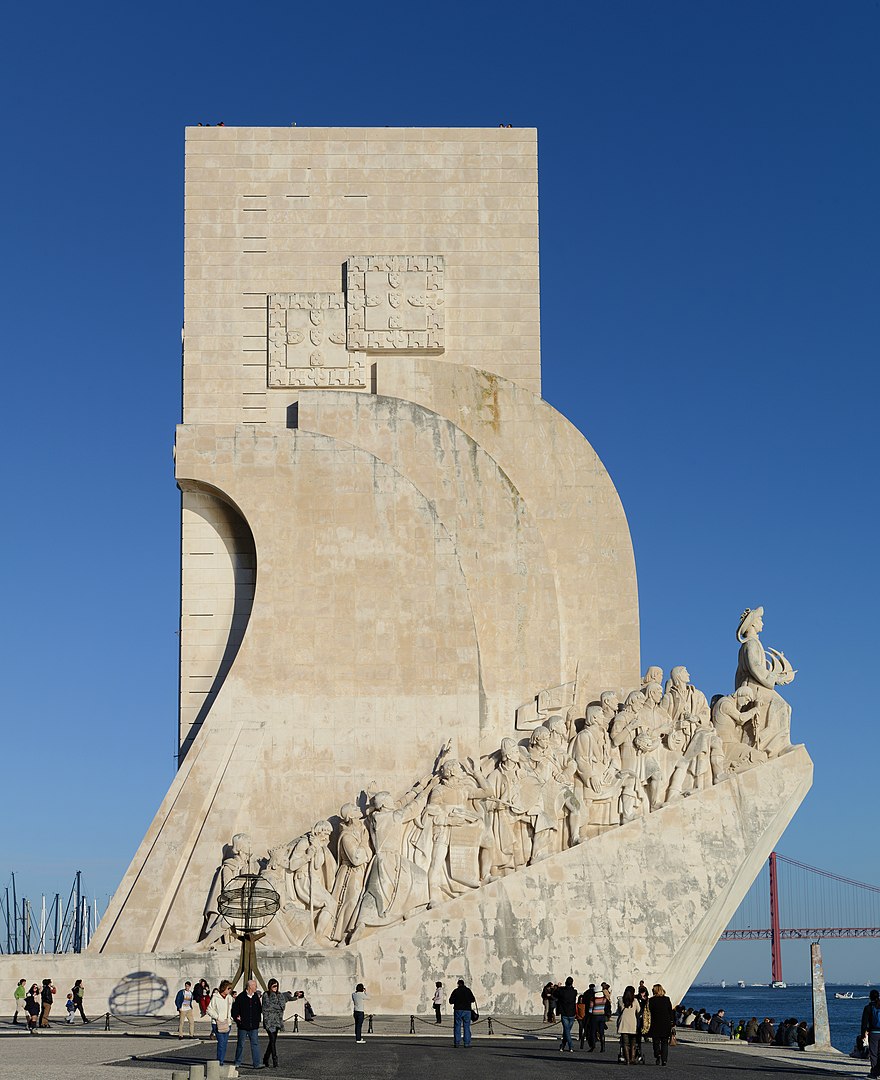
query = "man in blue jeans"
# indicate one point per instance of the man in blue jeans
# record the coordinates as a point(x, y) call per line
point(566, 1002)
point(246, 1012)
point(462, 1001)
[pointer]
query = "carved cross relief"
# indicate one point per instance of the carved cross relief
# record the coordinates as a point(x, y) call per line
point(395, 302)
point(392, 303)
point(307, 342)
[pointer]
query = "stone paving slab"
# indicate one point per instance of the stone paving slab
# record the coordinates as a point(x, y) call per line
point(390, 1058)
point(329, 1052)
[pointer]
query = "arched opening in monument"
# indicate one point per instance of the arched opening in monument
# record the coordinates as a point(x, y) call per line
point(218, 577)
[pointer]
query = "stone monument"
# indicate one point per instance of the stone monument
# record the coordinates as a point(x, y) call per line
point(410, 691)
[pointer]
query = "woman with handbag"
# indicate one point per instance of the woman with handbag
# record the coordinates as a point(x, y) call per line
point(220, 1014)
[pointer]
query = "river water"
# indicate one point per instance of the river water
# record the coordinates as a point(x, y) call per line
point(741, 1004)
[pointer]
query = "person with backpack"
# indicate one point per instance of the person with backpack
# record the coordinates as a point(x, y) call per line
point(871, 1030)
point(78, 991)
point(600, 1011)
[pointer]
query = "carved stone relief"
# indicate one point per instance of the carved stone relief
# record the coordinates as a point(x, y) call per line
point(307, 345)
point(462, 826)
point(392, 303)
point(395, 302)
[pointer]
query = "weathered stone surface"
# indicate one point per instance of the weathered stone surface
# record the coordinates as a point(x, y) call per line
point(646, 901)
point(397, 559)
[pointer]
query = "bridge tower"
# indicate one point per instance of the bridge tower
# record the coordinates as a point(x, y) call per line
point(775, 943)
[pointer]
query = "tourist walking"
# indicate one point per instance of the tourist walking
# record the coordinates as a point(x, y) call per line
point(273, 1003)
point(359, 1006)
point(600, 1013)
point(70, 1005)
point(79, 991)
point(246, 1012)
point(566, 1003)
point(462, 1001)
point(18, 997)
point(582, 1012)
point(32, 1005)
point(220, 1015)
point(47, 996)
point(628, 1024)
point(660, 1028)
point(184, 1005)
point(438, 1002)
point(871, 1030)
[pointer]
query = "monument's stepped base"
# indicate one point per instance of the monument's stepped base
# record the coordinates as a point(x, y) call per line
point(648, 899)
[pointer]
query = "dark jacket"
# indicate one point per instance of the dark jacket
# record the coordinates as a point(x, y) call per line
point(46, 995)
point(566, 999)
point(867, 1017)
point(718, 1025)
point(661, 1017)
point(273, 1004)
point(461, 998)
point(246, 1011)
point(765, 1032)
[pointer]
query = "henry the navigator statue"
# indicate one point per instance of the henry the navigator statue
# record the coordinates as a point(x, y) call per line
point(761, 675)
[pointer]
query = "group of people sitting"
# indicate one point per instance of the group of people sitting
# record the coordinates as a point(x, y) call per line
point(791, 1032)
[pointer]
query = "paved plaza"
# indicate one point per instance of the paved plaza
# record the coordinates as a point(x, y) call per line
point(86, 1053)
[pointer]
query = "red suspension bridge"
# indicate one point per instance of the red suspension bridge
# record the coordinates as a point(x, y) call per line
point(824, 904)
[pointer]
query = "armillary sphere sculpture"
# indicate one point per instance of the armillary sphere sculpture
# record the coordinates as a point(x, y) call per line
point(248, 904)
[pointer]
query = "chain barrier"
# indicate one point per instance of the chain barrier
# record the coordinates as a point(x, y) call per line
point(526, 1031)
point(341, 1025)
point(489, 1021)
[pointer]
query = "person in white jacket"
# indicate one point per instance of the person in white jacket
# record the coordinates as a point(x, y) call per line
point(220, 1015)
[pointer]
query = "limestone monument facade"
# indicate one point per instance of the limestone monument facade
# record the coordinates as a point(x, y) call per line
point(410, 690)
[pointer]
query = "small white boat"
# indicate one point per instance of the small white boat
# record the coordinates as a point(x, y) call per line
point(779, 985)
point(741, 984)
point(845, 997)
point(723, 984)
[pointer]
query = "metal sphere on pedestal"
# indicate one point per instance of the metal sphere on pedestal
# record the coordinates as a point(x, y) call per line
point(248, 904)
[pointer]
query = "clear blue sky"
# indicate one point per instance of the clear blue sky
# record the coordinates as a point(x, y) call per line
point(709, 258)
